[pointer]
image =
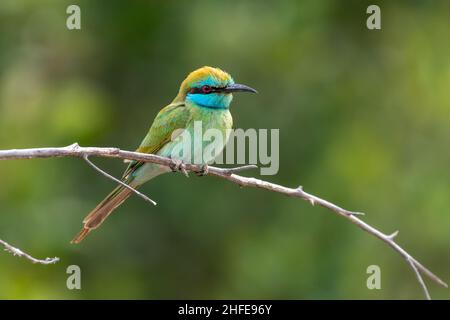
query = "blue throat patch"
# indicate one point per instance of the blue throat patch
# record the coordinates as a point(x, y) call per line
point(212, 100)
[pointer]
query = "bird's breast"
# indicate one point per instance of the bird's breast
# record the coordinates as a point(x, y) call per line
point(209, 131)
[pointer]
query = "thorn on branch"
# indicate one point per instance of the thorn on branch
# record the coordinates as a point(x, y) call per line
point(74, 146)
point(393, 235)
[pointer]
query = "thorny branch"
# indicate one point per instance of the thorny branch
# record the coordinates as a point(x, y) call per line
point(229, 174)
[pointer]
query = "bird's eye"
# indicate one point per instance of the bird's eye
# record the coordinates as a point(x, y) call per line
point(206, 89)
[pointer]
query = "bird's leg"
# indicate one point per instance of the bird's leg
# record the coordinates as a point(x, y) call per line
point(175, 165)
point(178, 166)
point(203, 171)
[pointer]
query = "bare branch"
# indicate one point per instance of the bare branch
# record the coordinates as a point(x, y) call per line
point(75, 150)
point(143, 196)
point(230, 171)
point(17, 252)
point(419, 278)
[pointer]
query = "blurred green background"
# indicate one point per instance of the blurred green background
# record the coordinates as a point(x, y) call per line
point(364, 120)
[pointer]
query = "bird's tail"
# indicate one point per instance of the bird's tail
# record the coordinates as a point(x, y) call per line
point(96, 217)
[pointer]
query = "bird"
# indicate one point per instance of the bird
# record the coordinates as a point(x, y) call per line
point(204, 97)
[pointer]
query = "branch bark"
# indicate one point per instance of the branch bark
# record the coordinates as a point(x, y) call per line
point(96, 168)
point(229, 174)
point(17, 252)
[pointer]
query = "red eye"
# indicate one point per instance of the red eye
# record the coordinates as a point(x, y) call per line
point(206, 89)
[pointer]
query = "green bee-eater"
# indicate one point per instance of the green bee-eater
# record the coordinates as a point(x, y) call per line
point(204, 97)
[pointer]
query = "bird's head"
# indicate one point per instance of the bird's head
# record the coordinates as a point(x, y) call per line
point(210, 87)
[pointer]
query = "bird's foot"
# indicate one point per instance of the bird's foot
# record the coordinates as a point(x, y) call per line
point(203, 171)
point(178, 166)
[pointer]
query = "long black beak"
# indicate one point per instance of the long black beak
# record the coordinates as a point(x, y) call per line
point(238, 88)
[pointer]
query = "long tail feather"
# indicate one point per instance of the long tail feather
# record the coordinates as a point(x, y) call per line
point(96, 217)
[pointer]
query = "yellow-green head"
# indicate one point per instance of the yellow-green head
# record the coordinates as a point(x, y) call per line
point(210, 88)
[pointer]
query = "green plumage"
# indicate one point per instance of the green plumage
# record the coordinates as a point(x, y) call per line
point(204, 98)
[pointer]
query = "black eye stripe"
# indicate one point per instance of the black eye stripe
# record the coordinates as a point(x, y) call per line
point(200, 90)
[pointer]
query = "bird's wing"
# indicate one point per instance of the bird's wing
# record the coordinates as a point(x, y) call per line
point(169, 119)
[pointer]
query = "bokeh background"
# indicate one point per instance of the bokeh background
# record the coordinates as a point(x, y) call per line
point(364, 119)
